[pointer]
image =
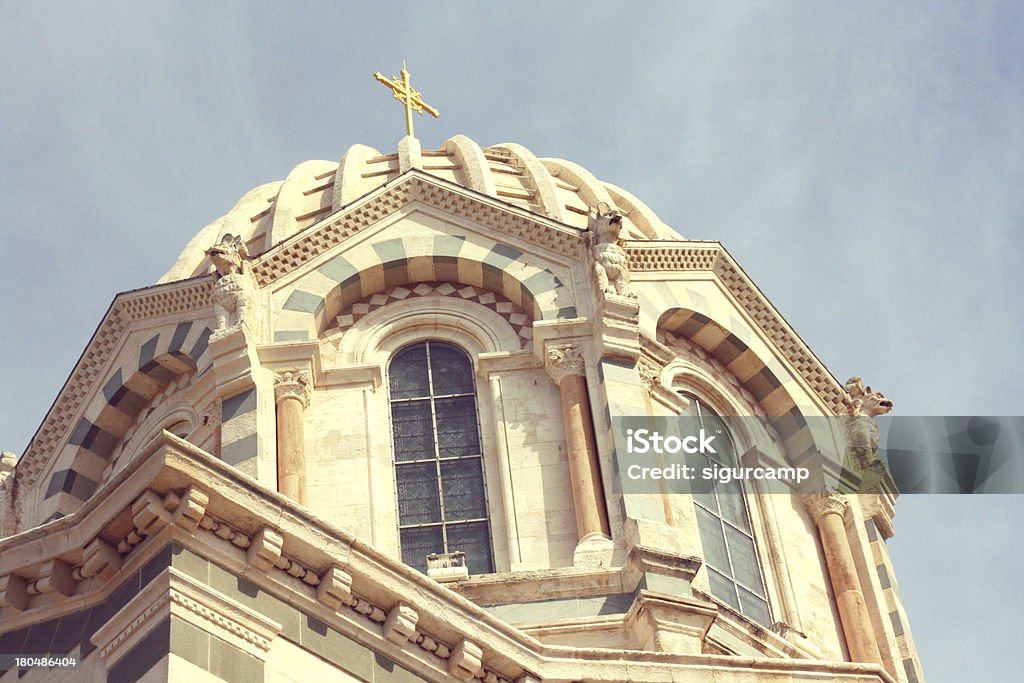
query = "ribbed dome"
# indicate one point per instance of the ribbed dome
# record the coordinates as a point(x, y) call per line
point(560, 190)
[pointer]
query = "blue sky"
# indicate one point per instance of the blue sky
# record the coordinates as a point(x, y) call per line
point(862, 161)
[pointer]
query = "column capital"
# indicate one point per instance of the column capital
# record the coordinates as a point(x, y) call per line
point(821, 504)
point(562, 360)
point(292, 384)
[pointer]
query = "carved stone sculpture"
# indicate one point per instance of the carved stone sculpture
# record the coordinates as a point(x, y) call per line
point(7, 493)
point(233, 291)
point(610, 262)
point(859, 428)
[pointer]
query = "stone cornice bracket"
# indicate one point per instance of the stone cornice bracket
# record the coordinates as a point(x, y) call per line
point(617, 327)
point(99, 559)
point(335, 588)
point(465, 660)
point(14, 592)
point(400, 625)
point(293, 384)
point(56, 577)
point(563, 360)
point(821, 504)
point(265, 549)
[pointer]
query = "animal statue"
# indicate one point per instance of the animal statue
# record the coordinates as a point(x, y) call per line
point(859, 428)
point(610, 262)
point(232, 292)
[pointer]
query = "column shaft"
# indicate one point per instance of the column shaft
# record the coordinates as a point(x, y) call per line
point(853, 611)
point(291, 457)
point(587, 490)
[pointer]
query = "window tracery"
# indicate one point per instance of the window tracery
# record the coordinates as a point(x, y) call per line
point(724, 524)
point(442, 501)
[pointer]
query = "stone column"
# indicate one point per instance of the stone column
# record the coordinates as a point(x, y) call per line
point(291, 391)
point(567, 368)
point(827, 511)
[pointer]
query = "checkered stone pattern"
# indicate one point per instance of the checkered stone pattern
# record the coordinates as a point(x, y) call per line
point(893, 603)
point(161, 360)
point(517, 319)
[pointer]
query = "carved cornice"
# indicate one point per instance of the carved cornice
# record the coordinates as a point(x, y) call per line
point(563, 360)
point(186, 296)
point(434, 192)
point(667, 257)
point(293, 384)
point(158, 493)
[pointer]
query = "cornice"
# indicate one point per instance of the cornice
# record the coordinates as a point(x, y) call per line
point(415, 186)
point(174, 491)
point(673, 257)
point(173, 298)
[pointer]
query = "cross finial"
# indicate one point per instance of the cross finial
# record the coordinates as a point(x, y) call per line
point(402, 90)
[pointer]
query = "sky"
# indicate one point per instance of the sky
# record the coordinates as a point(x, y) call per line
point(862, 161)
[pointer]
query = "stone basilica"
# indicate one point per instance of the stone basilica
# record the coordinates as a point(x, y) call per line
point(362, 431)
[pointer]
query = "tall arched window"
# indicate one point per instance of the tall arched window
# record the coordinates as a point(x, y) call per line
point(726, 534)
point(442, 502)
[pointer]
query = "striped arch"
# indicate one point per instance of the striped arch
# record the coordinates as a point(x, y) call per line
point(312, 305)
point(162, 359)
point(761, 375)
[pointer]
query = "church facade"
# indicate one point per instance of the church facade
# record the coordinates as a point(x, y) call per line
point(363, 431)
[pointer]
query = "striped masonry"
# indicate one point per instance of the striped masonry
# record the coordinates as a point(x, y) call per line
point(171, 353)
point(307, 308)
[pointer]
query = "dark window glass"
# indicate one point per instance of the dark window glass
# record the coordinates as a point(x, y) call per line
point(723, 521)
point(408, 373)
point(413, 426)
point(418, 542)
point(442, 501)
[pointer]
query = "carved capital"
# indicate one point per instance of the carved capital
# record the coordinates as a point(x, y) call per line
point(292, 384)
point(821, 504)
point(562, 360)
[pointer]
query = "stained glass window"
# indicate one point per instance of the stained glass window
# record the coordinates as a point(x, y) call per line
point(723, 522)
point(442, 503)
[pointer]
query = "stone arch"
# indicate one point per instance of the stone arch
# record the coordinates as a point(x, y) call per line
point(759, 375)
point(312, 305)
point(164, 358)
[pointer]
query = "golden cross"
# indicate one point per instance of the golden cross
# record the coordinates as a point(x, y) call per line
point(412, 99)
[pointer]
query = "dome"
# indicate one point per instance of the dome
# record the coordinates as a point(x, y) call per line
point(557, 189)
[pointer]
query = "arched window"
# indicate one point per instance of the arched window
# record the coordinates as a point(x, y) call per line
point(726, 534)
point(442, 502)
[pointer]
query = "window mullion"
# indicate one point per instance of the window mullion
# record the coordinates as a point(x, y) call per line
point(437, 451)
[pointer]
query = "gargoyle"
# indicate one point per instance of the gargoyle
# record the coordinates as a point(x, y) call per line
point(233, 290)
point(610, 262)
point(859, 428)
